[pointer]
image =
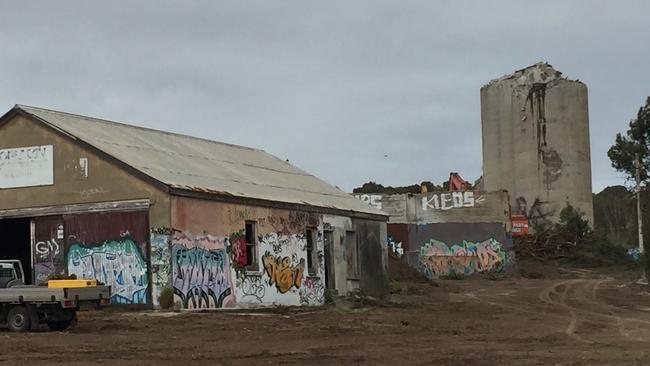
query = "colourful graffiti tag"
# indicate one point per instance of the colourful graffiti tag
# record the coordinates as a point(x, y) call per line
point(282, 272)
point(160, 260)
point(395, 247)
point(238, 249)
point(117, 263)
point(313, 292)
point(468, 257)
point(201, 276)
point(253, 286)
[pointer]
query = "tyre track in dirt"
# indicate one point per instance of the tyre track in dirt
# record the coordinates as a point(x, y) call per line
point(588, 306)
point(545, 296)
point(588, 293)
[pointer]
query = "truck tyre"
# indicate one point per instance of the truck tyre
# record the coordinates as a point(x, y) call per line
point(18, 319)
point(59, 326)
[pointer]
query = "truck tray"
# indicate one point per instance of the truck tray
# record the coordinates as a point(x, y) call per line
point(71, 283)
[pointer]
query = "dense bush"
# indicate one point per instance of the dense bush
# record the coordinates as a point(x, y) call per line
point(572, 240)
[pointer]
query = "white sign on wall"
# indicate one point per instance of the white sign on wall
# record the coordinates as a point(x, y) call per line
point(27, 166)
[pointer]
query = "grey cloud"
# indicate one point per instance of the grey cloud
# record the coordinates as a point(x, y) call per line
point(332, 86)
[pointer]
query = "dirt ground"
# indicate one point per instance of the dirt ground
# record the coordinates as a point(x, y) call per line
point(575, 317)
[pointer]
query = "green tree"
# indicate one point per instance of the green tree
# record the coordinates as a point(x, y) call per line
point(615, 216)
point(573, 224)
point(635, 141)
point(373, 187)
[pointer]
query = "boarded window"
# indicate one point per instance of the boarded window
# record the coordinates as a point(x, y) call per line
point(251, 245)
point(352, 254)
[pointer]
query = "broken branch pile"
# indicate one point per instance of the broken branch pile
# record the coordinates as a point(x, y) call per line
point(544, 245)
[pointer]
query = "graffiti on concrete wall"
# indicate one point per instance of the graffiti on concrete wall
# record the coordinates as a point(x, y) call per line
point(290, 224)
point(201, 272)
point(284, 272)
point(48, 259)
point(238, 249)
point(47, 249)
point(211, 272)
point(252, 286)
point(437, 258)
point(312, 292)
point(117, 263)
point(284, 269)
point(160, 264)
point(450, 200)
point(373, 200)
point(285, 245)
point(395, 247)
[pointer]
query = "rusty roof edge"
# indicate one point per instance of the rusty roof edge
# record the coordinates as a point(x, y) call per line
point(193, 188)
point(230, 198)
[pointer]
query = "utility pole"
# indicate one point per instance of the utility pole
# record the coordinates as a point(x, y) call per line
point(637, 168)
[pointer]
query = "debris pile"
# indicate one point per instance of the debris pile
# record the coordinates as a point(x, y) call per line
point(544, 245)
point(400, 271)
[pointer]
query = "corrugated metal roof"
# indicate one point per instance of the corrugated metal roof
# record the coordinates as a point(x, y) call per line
point(201, 165)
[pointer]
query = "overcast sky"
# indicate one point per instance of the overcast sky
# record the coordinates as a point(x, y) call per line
point(350, 91)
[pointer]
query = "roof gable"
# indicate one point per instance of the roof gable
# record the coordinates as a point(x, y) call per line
point(195, 164)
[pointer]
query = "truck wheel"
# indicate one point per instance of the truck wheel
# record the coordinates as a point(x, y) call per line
point(59, 325)
point(18, 319)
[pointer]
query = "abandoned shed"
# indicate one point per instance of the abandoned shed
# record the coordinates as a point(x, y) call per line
point(144, 210)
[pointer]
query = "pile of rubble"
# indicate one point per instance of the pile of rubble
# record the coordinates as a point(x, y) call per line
point(400, 271)
point(544, 245)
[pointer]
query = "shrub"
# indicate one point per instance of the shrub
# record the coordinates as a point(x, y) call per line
point(573, 224)
point(328, 297)
point(455, 276)
point(166, 298)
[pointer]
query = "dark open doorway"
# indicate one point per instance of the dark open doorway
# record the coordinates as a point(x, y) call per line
point(329, 255)
point(15, 243)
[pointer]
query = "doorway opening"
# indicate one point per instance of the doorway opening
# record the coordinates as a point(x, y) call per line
point(15, 243)
point(328, 239)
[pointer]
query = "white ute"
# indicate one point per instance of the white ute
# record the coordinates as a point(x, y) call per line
point(24, 307)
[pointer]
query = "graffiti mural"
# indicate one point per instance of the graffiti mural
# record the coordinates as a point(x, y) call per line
point(284, 273)
point(438, 259)
point(201, 272)
point(211, 272)
point(117, 263)
point(312, 292)
point(160, 264)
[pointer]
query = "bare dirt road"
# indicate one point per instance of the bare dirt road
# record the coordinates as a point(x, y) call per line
point(580, 318)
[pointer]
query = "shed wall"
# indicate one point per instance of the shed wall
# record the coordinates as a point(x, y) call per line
point(207, 238)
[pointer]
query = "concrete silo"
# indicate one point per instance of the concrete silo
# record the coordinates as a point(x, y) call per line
point(535, 126)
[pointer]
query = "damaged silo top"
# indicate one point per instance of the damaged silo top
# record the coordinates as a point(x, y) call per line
point(539, 73)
